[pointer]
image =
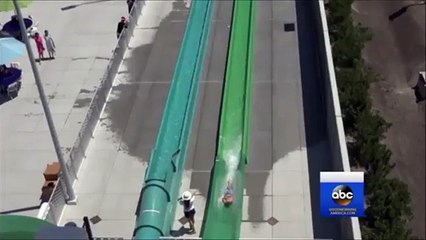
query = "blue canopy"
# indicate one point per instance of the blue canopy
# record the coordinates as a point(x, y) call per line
point(10, 50)
point(12, 27)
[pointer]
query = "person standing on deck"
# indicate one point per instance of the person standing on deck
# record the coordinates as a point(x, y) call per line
point(121, 26)
point(130, 4)
point(187, 200)
point(50, 44)
point(40, 47)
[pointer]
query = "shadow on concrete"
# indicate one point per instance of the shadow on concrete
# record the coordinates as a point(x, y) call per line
point(319, 155)
point(180, 232)
point(136, 108)
point(275, 111)
point(21, 209)
point(120, 109)
point(82, 4)
point(404, 9)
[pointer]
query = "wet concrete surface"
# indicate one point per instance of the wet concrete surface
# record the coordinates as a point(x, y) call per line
point(112, 174)
point(397, 54)
point(136, 109)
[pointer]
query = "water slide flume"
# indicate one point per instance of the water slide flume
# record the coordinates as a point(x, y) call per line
point(223, 222)
point(156, 208)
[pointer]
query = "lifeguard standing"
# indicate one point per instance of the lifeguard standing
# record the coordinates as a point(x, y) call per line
point(187, 200)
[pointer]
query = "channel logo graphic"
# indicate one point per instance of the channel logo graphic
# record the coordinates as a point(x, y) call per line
point(342, 194)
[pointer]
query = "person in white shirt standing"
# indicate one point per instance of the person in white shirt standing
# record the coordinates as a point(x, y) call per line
point(50, 44)
point(187, 200)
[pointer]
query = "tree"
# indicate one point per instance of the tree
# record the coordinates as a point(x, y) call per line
point(347, 48)
point(388, 200)
point(339, 19)
point(368, 150)
point(389, 211)
point(386, 232)
point(373, 181)
point(353, 85)
point(347, 39)
point(338, 11)
point(376, 172)
point(337, 23)
point(370, 126)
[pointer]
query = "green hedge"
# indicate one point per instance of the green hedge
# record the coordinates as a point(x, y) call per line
point(388, 210)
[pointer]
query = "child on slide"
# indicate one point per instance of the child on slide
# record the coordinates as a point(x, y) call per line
point(228, 197)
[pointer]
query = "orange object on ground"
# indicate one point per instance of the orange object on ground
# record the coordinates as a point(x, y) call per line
point(52, 172)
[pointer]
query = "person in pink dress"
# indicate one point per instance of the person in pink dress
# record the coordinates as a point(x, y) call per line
point(40, 46)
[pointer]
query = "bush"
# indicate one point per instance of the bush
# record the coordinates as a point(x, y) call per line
point(369, 131)
point(388, 212)
point(347, 48)
point(353, 85)
point(388, 200)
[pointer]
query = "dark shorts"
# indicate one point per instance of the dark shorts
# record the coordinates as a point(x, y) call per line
point(190, 214)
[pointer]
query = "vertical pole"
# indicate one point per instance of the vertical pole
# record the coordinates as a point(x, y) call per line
point(87, 227)
point(65, 176)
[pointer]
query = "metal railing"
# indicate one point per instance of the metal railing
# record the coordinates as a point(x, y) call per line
point(58, 199)
point(56, 203)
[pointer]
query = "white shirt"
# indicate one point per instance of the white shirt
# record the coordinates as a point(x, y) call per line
point(50, 44)
point(191, 204)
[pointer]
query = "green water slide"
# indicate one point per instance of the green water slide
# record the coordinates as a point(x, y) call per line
point(224, 222)
point(156, 207)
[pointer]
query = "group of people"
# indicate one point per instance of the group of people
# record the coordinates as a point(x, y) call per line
point(40, 44)
point(187, 200)
point(50, 45)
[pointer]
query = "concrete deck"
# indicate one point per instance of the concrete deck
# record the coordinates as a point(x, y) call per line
point(83, 52)
point(112, 175)
point(202, 148)
point(290, 144)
